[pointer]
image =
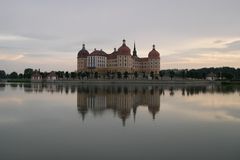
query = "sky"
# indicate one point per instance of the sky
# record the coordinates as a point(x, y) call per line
point(48, 34)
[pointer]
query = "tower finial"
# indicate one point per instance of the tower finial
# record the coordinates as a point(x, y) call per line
point(153, 46)
point(124, 41)
point(83, 46)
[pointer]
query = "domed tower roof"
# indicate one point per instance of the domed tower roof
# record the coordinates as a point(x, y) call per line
point(124, 50)
point(154, 54)
point(83, 53)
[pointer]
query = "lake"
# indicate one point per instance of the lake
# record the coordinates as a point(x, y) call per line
point(60, 121)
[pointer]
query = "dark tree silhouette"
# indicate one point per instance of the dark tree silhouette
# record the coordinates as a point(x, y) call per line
point(171, 74)
point(73, 75)
point(108, 75)
point(125, 75)
point(119, 74)
point(2, 74)
point(28, 73)
point(66, 75)
point(79, 75)
point(136, 75)
point(96, 75)
point(144, 75)
point(161, 74)
point(152, 74)
point(13, 75)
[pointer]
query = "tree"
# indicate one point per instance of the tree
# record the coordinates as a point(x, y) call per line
point(171, 74)
point(152, 74)
point(108, 75)
point(79, 75)
point(44, 75)
point(228, 76)
point(204, 75)
point(238, 74)
point(2, 74)
point(20, 76)
point(66, 75)
point(60, 74)
point(96, 75)
point(113, 75)
point(83, 74)
point(87, 74)
point(73, 75)
point(136, 75)
point(126, 75)
point(144, 75)
point(183, 74)
point(161, 74)
point(13, 75)
point(119, 74)
point(221, 72)
point(28, 73)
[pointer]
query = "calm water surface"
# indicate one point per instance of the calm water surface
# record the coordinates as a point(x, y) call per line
point(119, 122)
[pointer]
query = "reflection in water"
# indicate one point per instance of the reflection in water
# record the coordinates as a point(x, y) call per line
point(122, 100)
point(187, 90)
point(2, 86)
point(45, 121)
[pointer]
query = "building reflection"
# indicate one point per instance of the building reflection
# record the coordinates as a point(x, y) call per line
point(122, 100)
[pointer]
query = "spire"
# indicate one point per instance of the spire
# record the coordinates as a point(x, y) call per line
point(124, 41)
point(83, 46)
point(134, 50)
point(154, 46)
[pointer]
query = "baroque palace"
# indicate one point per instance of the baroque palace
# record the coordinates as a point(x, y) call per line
point(120, 60)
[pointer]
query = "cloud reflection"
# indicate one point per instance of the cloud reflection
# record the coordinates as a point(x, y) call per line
point(195, 102)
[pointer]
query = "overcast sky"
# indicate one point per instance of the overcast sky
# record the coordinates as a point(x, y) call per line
point(47, 34)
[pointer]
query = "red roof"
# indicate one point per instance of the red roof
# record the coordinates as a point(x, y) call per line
point(83, 53)
point(124, 49)
point(142, 59)
point(98, 53)
point(154, 54)
point(113, 55)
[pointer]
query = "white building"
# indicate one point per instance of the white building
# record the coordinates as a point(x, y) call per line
point(97, 59)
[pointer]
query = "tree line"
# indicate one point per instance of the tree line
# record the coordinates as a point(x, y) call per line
point(228, 73)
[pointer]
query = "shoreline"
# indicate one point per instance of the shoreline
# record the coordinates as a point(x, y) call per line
point(112, 82)
point(124, 81)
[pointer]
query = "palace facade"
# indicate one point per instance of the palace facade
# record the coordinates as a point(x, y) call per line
point(120, 60)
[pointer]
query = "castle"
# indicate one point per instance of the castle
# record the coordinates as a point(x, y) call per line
point(119, 60)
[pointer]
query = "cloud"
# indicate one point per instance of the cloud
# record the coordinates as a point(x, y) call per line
point(225, 54)
point(42, 28)
point(218, 41)
point(232, 46)
point(13, 38)
point(7, 57)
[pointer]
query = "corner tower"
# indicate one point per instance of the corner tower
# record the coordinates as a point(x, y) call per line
point(82, 59)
